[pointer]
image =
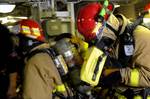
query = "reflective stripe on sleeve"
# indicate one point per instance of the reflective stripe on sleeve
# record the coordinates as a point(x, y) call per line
point(119, 96)
point(148, 97)
point(134, 80)
point(61, 88)
point(138, 97)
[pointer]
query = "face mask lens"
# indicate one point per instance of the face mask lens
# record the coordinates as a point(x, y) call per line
point(105, 43)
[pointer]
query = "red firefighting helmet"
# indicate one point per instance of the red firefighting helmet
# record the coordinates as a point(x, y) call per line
point(87, 19)
point(147, 12)
point(147, 7)
point(30, 28)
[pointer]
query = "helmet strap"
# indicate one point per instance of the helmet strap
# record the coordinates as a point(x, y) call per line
point(112, 29)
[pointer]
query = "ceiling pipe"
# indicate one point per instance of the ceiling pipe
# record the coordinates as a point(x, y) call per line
point(121, 2)
point(125, 2)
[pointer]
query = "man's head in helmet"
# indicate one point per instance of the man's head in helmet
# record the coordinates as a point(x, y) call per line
point(86, 20)
point(92, 24)
point(30, 33)
point(29, 28)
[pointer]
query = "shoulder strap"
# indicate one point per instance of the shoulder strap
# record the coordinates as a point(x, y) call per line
point(132, 26)
point(49, 51)
point(127, 43)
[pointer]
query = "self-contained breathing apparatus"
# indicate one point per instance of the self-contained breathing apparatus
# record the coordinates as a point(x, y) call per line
point(126, 40)
point(81, 77)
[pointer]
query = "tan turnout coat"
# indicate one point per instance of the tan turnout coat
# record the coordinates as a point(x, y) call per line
point(40, 76)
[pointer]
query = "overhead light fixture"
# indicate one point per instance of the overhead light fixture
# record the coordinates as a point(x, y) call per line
point(6, 8)
point(116, 5)
point(11, 19)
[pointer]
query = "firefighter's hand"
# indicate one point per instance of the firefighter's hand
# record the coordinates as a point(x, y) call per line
point(11, 93)
point(107, 72)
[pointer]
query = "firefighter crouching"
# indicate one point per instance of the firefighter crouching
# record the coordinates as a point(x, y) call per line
point(130, 49)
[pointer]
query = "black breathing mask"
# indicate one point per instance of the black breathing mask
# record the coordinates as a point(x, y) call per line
point(26, 43)
point(105, 43)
